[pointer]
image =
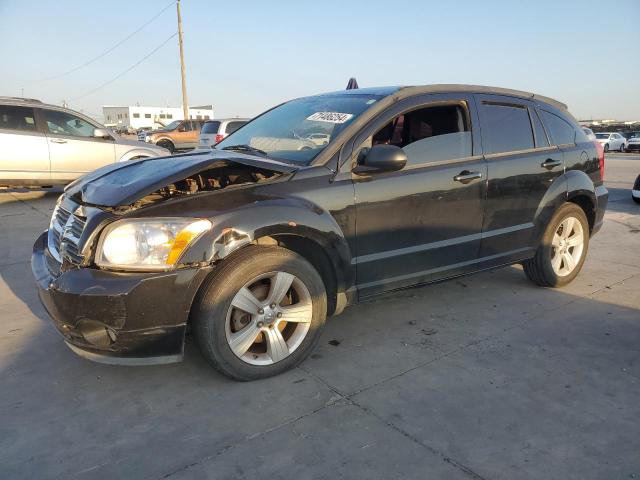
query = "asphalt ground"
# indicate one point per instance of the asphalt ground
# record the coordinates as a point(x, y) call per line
point(484, 377)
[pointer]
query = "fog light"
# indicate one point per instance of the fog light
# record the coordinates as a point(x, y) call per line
point(96, 333)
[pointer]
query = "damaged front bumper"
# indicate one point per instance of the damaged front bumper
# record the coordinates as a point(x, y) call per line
point(117, 317)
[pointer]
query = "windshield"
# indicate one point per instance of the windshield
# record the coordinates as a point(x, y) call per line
point(290, 132)
point(602, 135)
point(173, 125)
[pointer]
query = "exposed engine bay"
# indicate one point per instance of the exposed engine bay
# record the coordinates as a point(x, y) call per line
point(221, 175)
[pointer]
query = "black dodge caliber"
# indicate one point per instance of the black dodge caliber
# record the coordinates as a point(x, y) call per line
point(251, 245)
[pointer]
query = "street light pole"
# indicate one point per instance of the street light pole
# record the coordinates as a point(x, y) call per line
point(185, 103)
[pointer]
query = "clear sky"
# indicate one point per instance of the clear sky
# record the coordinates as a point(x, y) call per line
point(244, 55)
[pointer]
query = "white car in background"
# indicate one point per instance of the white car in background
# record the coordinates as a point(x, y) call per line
point(319, 139)
point(46, 145)
point(611, 141)
point(589, 133)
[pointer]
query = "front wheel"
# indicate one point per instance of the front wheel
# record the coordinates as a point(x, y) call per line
point(261, 313)
point(622, 149)
point(606, 147)
point(560, 256)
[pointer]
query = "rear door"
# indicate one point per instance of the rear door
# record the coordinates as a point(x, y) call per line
point(521, 167)
point(421, 223)
point(73, 149)
point(24, 153)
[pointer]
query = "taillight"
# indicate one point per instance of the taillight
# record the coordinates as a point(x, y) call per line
point(600, 151)
point(219, 137)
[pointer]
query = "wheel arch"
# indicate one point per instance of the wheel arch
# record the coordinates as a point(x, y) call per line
point(293, 224)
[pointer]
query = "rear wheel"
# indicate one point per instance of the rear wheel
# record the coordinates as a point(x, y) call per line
point(606, 147)
point(261, 313)
point(561, 254)
point(168, 144)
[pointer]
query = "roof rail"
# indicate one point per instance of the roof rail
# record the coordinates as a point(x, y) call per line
point(20, 99)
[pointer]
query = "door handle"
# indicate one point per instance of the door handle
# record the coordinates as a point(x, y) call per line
point(58, 140)
point(466, 176)
point(550, 163)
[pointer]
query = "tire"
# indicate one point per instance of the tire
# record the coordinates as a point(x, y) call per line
point(540, 269)
point(168, 144)
point(218, 322)
point(606, 147)
point(622, 149)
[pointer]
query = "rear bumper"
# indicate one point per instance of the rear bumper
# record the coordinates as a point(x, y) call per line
point(118, 318)
point(602, 198)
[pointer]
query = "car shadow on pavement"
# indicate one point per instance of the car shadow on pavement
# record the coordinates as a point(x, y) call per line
point(486, 373)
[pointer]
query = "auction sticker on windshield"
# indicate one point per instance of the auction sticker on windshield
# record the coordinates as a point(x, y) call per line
point(330, 117)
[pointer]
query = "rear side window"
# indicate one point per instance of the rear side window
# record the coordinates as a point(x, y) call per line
point(507, 128)
point(17, 118)
point(210, 127)
point(233, 126)
point(561, 132)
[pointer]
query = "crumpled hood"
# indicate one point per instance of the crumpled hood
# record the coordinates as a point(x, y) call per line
point(123, 183)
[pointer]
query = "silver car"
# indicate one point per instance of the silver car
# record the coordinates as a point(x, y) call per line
point(44, 144)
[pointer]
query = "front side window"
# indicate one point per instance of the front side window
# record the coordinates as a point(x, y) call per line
point(17, 118)
point(283, 132)
point(429, 134)
point(63, 123)
point(507, 128)
point(561, 132)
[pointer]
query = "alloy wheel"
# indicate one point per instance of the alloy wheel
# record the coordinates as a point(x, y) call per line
point(567, 246)
point(269, 318)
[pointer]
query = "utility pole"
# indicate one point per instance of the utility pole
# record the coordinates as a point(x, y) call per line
point(185, 103)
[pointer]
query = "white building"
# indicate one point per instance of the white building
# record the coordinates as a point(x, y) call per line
point(155, 117)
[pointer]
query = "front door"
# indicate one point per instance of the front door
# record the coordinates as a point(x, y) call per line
point(73, 149)
point(423, 222)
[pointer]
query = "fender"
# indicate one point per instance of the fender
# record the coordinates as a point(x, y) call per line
point(270, 216)
point(579, 183)
point(571, 184)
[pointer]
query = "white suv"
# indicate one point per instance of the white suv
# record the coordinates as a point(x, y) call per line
point(214, 131)
point(48, 145)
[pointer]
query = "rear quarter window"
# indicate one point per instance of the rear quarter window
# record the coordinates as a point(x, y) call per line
point(507, 128)
point(233, 126)
point(561, 131)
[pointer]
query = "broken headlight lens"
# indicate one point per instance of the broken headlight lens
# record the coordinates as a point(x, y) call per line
point(148, 244)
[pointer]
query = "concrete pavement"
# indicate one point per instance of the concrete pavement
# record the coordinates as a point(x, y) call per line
point(484, 377)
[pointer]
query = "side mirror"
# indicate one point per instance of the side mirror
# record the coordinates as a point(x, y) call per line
point(101, 133)
point(381, 158)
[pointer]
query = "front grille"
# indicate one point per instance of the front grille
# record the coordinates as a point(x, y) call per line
point(65, 233)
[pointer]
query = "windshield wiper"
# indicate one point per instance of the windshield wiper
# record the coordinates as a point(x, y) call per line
point(246, 148)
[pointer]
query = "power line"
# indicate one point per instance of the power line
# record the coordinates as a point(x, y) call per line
point(127, 70)
point(106, 52)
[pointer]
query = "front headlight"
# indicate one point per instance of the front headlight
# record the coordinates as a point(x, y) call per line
point(148, 244)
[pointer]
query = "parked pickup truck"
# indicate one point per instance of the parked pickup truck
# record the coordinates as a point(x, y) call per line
point(253, 243)
point(178, 135)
